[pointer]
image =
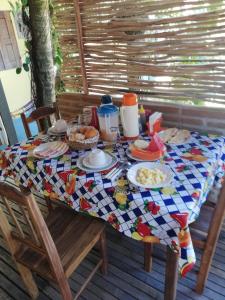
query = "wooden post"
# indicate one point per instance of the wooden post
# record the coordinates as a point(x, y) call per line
point(25, 273)
point(81, 45)
point(171, 275)
point(6, 117)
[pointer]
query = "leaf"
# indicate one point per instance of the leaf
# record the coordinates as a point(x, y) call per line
point(24, 2)
point(26, 67)
point(18, 70)
point(27, 45)
point(58, 60)
point(27, 60)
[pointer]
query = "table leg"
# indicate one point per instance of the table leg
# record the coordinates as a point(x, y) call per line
point(148, 256)
point(171, 275)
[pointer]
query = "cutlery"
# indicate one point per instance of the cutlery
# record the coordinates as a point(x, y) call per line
point(113, 175)
point(115, 168)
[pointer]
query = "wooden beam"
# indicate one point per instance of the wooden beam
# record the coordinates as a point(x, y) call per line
point(81, 45)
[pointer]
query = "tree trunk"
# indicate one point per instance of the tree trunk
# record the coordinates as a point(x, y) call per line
point(42, 53)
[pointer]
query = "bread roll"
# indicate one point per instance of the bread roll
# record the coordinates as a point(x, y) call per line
point(90, 133)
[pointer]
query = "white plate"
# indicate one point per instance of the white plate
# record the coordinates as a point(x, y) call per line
point(128, 153)
point(132, 173)
point(86, 162)
point(161, 133)
point(81, 166)
point(50, 150)
point(52, 131)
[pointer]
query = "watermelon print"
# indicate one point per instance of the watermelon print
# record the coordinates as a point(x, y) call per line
point(158, 215)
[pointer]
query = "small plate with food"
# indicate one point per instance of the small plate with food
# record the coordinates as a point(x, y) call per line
point(150, 175)
point(138, 151)
point(89, 163)
point(50, 150)
point(175, 136)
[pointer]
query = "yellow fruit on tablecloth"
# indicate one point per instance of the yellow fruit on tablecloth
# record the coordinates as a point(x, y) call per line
point(53, 196)
point(121, 198)
point(45, 193)
point(186, 154)
point(168, 190)
point(30, 164)
point(121, 182)
point(135, 235)
point(93, 213)
point(199, 158)
point(151, 239)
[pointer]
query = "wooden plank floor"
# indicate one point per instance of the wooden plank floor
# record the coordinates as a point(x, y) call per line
point(126, 279)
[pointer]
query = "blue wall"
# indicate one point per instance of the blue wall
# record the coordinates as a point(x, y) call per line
point(20, 132)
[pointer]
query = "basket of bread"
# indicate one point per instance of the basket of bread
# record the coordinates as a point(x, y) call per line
point(82, 137)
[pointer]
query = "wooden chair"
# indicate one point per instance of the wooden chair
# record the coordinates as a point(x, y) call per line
point(39, 115)
point(205, 233)
point(71, 104)
point(52, 248)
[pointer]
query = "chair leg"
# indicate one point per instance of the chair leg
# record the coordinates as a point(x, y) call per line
point(25, 273)
point(206, 261)
point(171, 275)
point(28, 281)
point(103, 250)
point(148, 247)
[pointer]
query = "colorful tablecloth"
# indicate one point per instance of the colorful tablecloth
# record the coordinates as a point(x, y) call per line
point(156, 215)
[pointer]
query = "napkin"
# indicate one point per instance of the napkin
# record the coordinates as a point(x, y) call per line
point(156, 144)
point(155, 122)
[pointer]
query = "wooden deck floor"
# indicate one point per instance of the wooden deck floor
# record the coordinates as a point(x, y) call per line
point(126, 278)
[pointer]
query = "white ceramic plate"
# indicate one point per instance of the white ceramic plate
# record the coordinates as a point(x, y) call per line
point(128, 153)
point(81, 166)
point(50, 150)
point(132, 174)
point(87, 163)
point(52, 131)
point(161, 133)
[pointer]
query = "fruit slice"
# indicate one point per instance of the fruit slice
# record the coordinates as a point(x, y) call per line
point(145, 154)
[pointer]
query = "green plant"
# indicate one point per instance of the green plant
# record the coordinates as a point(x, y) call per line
point(22, 6)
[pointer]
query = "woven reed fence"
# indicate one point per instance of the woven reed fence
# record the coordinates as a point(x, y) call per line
point(160, 49)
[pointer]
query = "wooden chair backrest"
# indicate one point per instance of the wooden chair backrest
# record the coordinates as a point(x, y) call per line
point(69, 104)
point(39, 114)
point(36, 236)
point(217, 217)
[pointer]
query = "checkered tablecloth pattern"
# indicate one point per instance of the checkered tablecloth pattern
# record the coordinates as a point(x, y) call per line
point(158, 215)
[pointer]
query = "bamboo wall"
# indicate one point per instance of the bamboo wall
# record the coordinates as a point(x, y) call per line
point(160, 49)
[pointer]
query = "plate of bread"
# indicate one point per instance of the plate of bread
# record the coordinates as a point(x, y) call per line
point(175, 136)
point(82, 137)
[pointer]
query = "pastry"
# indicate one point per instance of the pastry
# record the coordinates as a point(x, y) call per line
point(90, 133)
